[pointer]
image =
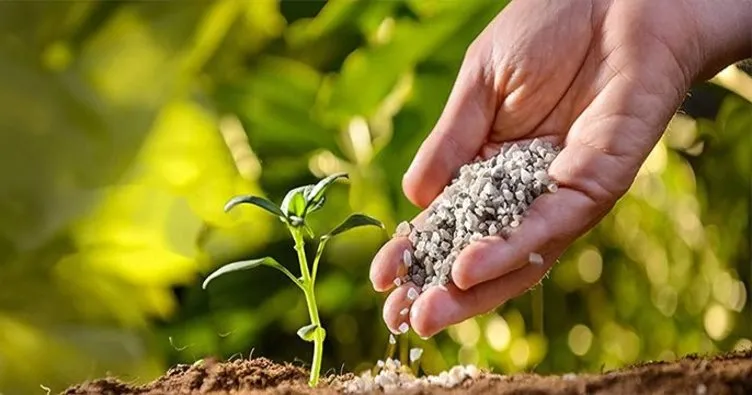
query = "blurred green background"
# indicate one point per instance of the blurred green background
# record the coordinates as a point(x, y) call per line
point(125, 127)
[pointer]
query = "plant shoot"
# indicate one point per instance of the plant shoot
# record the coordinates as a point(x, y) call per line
point(297, 204)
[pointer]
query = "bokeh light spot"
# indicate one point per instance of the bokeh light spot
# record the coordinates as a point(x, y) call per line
point(590, 265)
point(468, 355)
point(580, 339)
point(738, 296)
point(498, 334)
point(467, 332)
point(519, 352)
point(656, 264)
point(717, 322)
point(666, 299)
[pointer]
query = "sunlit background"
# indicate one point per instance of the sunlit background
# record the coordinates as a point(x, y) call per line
point(126, 126)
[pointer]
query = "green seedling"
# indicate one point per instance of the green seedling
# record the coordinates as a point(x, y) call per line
point(296, 206)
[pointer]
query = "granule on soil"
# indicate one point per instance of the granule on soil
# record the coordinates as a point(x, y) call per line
point(487, 198)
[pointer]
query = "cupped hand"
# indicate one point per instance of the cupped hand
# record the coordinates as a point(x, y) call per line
point(601, 79)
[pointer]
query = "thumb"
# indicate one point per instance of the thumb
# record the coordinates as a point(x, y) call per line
point(459, 134)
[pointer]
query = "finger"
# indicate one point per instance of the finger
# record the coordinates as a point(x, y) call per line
point(458, 135)
point(438, 308)
point(396, 308)
point(388, 263)
point(553, 221)
point(533, 85)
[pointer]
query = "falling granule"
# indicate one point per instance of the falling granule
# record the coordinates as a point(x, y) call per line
point(404, 311)
point(403, 328)
point(488, 198)
point(397, 281)
point(392, 340)
point(412, 294)
point(415, 354)
point(535, 258)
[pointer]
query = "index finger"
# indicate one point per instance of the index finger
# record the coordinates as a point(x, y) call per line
point(388, 263)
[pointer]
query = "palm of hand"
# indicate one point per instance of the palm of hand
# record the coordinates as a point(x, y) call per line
point(600, 79)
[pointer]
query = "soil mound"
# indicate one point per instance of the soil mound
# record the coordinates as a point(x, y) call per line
point(696, 375)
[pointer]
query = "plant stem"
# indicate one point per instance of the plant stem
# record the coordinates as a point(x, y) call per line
point(297, 235)
point(313, 312)
point(318, 340)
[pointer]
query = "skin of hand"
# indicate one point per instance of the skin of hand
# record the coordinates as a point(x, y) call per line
point(602, 78)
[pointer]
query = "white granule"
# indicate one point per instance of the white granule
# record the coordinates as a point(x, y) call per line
point(487, 198)
point(407, 259)
point(535, 258)
point(412, 294)
point(403, 229)
point(415, 354)
point(392, 376)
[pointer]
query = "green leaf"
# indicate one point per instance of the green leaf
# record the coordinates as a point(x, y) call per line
point(255, 200)
point(314, 197)
point(315, 206)
point(294, 203)
point(246, 265)
point(370, 73)
point(354, 221)
point(309, 332)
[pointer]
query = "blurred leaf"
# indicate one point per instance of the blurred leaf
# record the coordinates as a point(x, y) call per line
point(274, 102)
point(369, 74)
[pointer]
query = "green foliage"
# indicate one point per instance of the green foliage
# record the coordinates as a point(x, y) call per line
point(296, 206)
point(353, 221)
point(126, 125)
point(311, 332)
point(258, 201)
point(250, 264)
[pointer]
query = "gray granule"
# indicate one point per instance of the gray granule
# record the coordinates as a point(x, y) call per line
point(486, 198)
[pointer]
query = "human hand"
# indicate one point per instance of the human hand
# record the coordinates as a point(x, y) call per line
point(601, 78)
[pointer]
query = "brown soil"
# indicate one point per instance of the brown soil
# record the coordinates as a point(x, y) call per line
point(728, 374)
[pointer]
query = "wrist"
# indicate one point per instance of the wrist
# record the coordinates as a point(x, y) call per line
point(724, 32)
